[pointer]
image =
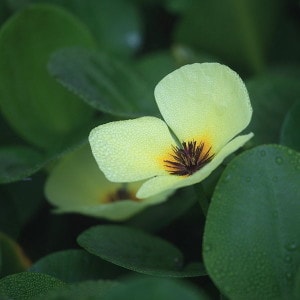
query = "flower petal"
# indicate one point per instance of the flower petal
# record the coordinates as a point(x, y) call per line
point(207, 102)
point(131, 150)
point(117, 211)
point(160, 184)
point(76, 185)
point(76, 180)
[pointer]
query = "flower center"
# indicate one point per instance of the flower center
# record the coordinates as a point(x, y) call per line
point(120, 194)
point(188, 159)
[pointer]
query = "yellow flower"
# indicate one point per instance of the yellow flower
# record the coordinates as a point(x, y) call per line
point(76, 185)
point(204, 107)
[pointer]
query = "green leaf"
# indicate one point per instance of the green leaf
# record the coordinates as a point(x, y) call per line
point(104, 83)
point(18, 162)
point(135, 250)
point(88, 290)
point(74, 266)
point(116, 25)
point(271, 97)
point(154, 288)
point(251, 244)
point(239, 32)
point(23, 286)
point(297, 284)
point(12, 258)
point(36, 106)
point(291, 127)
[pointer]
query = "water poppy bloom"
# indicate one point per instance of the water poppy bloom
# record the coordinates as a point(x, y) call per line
point(204, 106)
point(76, 185)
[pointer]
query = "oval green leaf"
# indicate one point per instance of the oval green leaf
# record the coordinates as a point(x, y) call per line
point(23, 286)
point(133, 249)
point(251, 242)
point(103, 82)
point(87, 290)
point(75, 265)
point(154, 288)
point(116, 25)
point(33, 103)
point(19, 162)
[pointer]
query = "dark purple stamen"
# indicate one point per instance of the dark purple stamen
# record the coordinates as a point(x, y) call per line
point(188, 159)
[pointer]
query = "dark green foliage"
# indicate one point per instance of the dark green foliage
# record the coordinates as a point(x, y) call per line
point(67, 66)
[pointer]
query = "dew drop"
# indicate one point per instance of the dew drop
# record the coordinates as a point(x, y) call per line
point(288, 259)
point(279, 160)
point(291, 246)
point(227, 178)
point(262, 153)
point(207, 248)
point(248, 179)
point(288, 275)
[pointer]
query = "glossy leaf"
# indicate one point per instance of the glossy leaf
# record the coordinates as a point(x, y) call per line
point(104, 83)
point(12, 258)
point(116, 25)
point(91, 290)
point(252, 234)
point(136, 250)
point(26, 285)
point(36, 106)
point(291, 127)
point(19, 162)
point(239, 32)
point(75, 266)
point(154, 288)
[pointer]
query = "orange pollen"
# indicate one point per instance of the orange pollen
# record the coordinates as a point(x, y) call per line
point(188, 159)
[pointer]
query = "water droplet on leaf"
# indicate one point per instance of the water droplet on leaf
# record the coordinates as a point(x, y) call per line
point(288, 259)
point(279, 160)
point(207, 248)
point(291, 246)
point(288, 275)
point(262, 153)
point(248, 179)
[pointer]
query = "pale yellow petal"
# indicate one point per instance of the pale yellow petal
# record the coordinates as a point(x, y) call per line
point(131, 150)
point(117, 211)
point(162, 183)
point(77, 180)
point(76, 185)
point(207, 102)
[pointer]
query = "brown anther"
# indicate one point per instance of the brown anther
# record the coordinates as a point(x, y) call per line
point(188, 159)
